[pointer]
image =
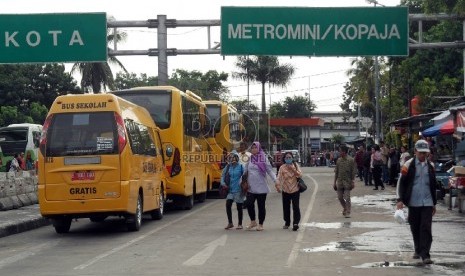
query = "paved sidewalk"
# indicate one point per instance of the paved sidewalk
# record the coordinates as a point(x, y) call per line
point(20, 220)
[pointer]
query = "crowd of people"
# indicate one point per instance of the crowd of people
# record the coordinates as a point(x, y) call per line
point(245, 178)
point(19, 163)
point(377, 165)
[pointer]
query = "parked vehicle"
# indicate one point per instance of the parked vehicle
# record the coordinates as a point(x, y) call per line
point(19, 138)
point(100, 156)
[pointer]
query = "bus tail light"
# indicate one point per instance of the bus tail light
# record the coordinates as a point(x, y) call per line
point(176, 167)
point(43, 136)
point(121, 132)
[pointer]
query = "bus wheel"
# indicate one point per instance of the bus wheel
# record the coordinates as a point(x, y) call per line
point(134, 221)
point(62, 225)
point(189, 201)
point(201, 197)
point(158, 213)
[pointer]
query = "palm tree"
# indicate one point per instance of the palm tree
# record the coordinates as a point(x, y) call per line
point(264, 69)
point(98, 74)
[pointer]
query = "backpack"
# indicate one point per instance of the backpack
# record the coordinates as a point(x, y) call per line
point(8, 166)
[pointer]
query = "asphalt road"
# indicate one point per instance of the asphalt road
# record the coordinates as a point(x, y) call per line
point(195, 243)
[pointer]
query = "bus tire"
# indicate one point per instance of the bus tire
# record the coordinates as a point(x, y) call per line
point(202, 197)
point(134, 221)
point(189, 202)
point(157, 214)
point(62, 225)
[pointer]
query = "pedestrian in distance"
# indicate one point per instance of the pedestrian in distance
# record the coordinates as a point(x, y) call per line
point(257, 169)
point(367, 176)
point(384, 149)
point(29, 162)
point(417, 191)
point(288, 186)
point(404, 156)
point(377, 164)
point(393, 165)
point(231, 177)
point(21, 161)
point(244, 155)
point(344, 180)
point(14, 167)
point(359, 161)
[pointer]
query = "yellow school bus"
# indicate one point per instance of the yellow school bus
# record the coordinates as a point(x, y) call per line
point(181, 117)
point(224, 136)
point(100, 155)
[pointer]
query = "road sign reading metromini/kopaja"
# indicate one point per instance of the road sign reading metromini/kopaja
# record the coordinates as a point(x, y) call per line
point(294, 31)
point(55, 37)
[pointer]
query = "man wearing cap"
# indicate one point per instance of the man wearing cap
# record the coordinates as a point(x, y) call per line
point(417, 190)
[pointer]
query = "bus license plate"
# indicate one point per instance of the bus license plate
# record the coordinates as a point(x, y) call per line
point(87, 175)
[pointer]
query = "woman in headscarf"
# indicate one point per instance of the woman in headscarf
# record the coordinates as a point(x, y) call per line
point(233, 171)
point(256, 170)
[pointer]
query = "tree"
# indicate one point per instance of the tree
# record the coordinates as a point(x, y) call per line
point(28, 90)
point(98, 74)
point(264, 69)
point(208, 86)
point(125, 80)
point(292, 107)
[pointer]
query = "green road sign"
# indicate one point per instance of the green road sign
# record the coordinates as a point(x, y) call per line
point(300, 31)
point(36, 38)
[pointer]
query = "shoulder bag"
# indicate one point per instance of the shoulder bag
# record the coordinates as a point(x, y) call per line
point(301, 183)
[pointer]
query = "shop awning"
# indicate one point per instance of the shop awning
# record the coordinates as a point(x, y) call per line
point(442, 129)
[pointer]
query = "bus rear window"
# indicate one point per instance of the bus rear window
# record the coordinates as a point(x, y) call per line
point(72, 134)
point(13, 140)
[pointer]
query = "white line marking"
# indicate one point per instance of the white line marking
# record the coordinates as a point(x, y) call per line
point(31, 251)
point(201, 257)
point(295, 249)
point(119, 248)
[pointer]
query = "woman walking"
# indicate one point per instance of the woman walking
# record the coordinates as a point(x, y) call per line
point(231, 177)
point(377, 166)
point(287, 177)
point(257, 169)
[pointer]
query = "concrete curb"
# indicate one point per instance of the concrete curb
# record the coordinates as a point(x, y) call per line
point(23, 226)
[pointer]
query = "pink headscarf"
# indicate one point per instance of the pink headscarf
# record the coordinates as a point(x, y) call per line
point(259, 159)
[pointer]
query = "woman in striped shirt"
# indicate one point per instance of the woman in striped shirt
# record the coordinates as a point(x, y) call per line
point(287, 177)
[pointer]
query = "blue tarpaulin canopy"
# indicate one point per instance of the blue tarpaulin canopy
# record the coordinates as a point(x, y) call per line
point(444, 128)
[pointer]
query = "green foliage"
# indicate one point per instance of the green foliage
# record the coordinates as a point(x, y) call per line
point(28, 90)
point(98, 75)
point(125, 80)
point(428, 73)
point(337, 139)
point(263, 69)
point(292, 107)
point(208, 86)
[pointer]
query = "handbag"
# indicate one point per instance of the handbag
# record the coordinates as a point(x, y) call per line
point(302, 185)
point(301, 182)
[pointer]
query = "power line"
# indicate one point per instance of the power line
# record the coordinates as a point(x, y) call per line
point(295, 78)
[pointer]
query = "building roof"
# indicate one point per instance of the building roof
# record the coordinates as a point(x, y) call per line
point(314, 121)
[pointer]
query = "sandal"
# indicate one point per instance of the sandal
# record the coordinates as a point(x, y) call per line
point(252, 225)
point(239, 227)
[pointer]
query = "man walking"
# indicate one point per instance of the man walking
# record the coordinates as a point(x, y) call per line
point(344, 180)
point(359, 161)
point(417, 191)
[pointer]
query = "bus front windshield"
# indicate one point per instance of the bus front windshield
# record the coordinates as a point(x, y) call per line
point(214, 114)
point(158, 104)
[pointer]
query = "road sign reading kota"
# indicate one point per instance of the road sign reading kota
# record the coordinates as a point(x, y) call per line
point(64, 37)
point(364, 31)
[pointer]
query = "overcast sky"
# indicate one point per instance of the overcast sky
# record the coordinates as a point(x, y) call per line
point(324, 76)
